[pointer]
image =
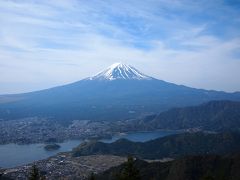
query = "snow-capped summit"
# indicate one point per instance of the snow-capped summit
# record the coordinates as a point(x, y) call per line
point(120, 71)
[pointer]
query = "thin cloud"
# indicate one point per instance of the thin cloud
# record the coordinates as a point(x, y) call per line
point(48, 43)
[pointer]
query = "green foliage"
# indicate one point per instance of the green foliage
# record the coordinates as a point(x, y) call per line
point(208, 177)
point(92, 176)
point(34, 175)
point(204, 167)
point(51, 147)
point(129, 171)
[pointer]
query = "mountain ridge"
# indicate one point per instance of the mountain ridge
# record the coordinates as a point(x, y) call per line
point(210, 116)
point(109, 99)
point(171, 146)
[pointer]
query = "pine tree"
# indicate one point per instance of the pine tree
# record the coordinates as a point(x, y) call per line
point(91, 177)
point(34, 175)
point(208, 177)
point(129, 171)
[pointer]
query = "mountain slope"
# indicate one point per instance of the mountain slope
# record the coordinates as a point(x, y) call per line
point(214, 115)
point(207, 167)
point(119, 92)
point(170, 146)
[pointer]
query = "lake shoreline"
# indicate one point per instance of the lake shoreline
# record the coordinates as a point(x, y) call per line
point(97, 138)
point(29, 153)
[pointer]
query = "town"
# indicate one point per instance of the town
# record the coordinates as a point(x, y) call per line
point(65, 166)
point(42, 130)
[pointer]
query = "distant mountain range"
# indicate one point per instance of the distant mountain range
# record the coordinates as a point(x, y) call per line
point(172, 146)
point(119, 92)
point(210, 116)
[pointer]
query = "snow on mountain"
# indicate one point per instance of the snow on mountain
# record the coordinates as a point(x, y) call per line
point(120, 71)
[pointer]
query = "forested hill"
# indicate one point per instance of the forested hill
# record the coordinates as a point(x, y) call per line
point(213, 116)
point(208, 167)
point(169, 146)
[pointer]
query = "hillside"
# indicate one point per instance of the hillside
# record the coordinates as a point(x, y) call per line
point(208, 167)
point(170, 146)
point(214, 116)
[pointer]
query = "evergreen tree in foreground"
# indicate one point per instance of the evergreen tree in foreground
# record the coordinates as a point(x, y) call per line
point(129, 172)
point(34, 175)
point(92, 177)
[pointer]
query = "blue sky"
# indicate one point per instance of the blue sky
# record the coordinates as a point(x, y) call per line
point(54, 42)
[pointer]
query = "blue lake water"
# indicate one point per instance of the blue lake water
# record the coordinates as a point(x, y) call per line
point(141, 136)
point(12, 155)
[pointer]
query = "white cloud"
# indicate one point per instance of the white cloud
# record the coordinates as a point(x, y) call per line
point(55, 42)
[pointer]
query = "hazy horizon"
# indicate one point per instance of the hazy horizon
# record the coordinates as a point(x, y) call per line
point(44, 44)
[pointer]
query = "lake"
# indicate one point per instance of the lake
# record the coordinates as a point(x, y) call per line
point(12, 155)
point(141, 136)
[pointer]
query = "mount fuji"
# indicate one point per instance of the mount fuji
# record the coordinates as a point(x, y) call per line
point(120, 71)
point(119, 92)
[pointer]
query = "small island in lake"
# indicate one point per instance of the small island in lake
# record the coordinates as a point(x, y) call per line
point(51, 147)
